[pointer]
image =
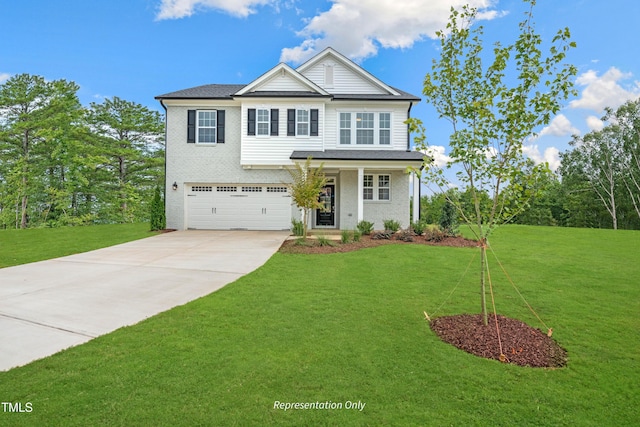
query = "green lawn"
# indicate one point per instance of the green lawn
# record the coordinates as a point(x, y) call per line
point(349, 328)
point(37, 244)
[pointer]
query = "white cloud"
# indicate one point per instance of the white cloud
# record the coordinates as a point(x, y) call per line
point(551, 155)
point(605, 91)
point(560, 126)
point(440, 159)
point(595, 123)
point(175, 9)
point(4, 77)
point(357, 27)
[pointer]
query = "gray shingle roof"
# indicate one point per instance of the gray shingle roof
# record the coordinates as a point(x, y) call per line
point(215, 91)
point(226, 91)
point(359, 155)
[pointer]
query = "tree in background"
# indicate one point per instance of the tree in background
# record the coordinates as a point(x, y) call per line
point(129, 139)
point(305, 189)
point(492, 110)
point(37, 121)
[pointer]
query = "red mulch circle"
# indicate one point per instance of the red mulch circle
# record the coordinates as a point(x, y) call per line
point(521, 344)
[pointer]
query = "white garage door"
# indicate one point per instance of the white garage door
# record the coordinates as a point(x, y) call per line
point(237, 206)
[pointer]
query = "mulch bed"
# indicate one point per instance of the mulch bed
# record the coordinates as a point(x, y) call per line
point(521, 344)
point(313, 247)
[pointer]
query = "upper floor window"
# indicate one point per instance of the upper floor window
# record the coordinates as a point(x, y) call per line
point(302, 122)
point(206, 130)
point(205, 126)
point(263, 122)
point(364, 128)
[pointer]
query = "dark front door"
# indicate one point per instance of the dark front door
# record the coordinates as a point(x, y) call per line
point(326, 214)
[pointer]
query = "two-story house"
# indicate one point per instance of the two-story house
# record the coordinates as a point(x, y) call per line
point(228, 147)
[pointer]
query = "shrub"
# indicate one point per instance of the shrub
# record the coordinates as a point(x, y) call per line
point(381, 235)
point(418, 227)
point(301, 241)
point(405, 235)
point(324, 241)
point(435, 234)
point(158, 220)
point(356, 235)
point(448, 219)
point(297, 227)
point(345, 236)
point(391, 225)
point(365, 227)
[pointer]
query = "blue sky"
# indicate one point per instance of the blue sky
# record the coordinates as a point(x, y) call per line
point(137, 49)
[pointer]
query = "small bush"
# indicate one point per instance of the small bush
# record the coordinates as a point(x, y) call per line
point(301, 241)
point(345, 236)
point(158, 220)
point(297, 227)
point(418, 227)
point(435, 235)
point(405, 235)
point(365, 227)
point(324, 241)
point(382, 235)
point(391, 225)
point(356, 235)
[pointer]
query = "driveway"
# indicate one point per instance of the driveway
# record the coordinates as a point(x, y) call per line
point(50, 305)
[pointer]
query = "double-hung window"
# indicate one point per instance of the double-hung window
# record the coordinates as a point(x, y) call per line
point(207, 126)
point(364, 128)
point(376, 187)
point(263, 122)
point(302, 122)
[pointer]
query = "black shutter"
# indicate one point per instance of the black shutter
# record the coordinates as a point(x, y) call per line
point(191, 126)
point(314, 123)
point(291, 122)
point(275, 113)
point(251, 121)
point(220, 136)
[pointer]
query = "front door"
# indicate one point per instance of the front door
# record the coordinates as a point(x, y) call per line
point(326, 214)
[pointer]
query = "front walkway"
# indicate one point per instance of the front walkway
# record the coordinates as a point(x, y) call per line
point(50, 305)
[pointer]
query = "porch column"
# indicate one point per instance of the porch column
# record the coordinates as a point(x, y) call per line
point(415, 217)
point(360, 190)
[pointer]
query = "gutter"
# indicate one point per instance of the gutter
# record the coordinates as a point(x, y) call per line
point(408, 131)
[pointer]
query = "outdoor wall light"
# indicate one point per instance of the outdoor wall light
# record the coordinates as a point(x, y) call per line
point(174, 186)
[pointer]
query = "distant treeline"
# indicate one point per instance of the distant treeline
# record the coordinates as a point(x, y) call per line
point(62, 163)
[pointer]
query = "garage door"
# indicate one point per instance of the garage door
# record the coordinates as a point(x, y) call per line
point(228, 207)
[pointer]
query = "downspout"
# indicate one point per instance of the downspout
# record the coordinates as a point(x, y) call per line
point(408, 131)
point(164, 189)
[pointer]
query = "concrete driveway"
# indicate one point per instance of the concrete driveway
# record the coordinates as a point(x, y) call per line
point(50, 305)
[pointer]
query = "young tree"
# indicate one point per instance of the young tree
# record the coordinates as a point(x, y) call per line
point(157, 213)
point(305, 189)
point(492, 110)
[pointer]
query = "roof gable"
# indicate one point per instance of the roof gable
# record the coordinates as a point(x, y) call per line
point(281, 79)
point(346, 76)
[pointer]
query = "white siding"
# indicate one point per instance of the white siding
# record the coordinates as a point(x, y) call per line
point(276, 150)
point(281, 82)
point(345, 80)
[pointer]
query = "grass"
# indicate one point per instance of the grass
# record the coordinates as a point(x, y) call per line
point(37, 244)
point(349, 327)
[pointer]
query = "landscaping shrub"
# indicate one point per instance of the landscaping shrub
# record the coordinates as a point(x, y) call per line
point(297, 227)
point(345, 236)
point(391, 225)
point(324, 241)
point(365, 227)
point(405, 235)
point(435, 234)
point(158, 220)
point(382, 235)
point(418, 227)
point(356, 235)
point(448, 219)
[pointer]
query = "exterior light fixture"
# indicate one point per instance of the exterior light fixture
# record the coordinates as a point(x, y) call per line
point(174, 186)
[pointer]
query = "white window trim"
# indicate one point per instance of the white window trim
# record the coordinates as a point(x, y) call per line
point(308, 123)
point(376, 188)
point(268, 122)
point(354, 129)
point(197, 141)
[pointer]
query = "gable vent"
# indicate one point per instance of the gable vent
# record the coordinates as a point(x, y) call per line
point(328, 75)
